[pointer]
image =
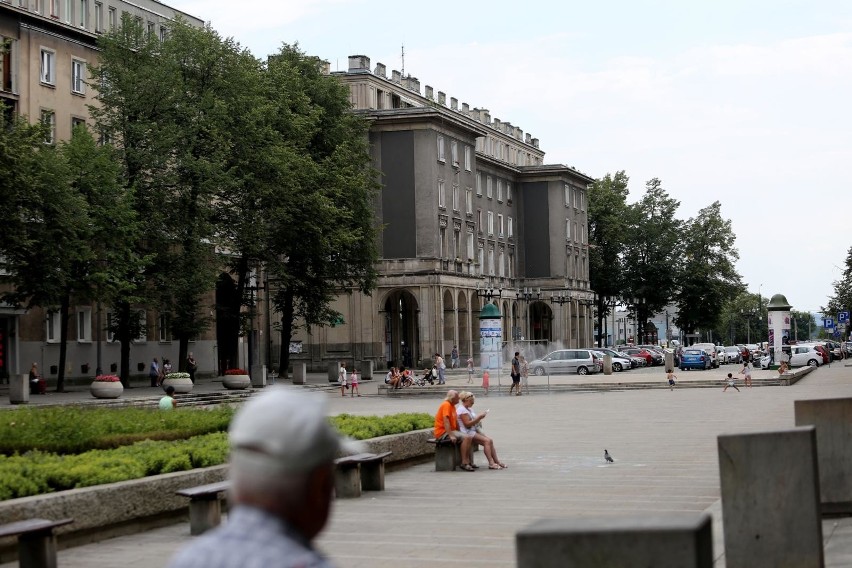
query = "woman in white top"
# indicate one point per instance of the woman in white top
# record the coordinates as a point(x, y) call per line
point(469, 424)
point(341, 378)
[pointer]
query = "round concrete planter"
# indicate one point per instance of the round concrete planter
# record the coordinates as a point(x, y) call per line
point(235, 382)
point(182, 385)
point(101, 389)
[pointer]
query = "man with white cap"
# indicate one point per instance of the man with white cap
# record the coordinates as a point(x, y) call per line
point(281, 470)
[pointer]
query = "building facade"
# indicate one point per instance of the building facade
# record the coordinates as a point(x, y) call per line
point(470, 214)
point(46, 49)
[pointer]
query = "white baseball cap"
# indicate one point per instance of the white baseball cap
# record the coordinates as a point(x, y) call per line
point(287, 431)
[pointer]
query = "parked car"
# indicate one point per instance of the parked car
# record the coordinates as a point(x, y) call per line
point(566, 361)
point(692, 358)
point(710, 348)
point(658, 355)
point(644, 353)
point(826, 355)
point(733, 354)
point(620, 361)
point(801, 355)
point(722, 355)
point(753, 351)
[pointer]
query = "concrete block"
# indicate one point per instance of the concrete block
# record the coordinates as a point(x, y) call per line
point(19, 389)
point(833, 421)
point(204, 514)
point(347, 481)
point(365, 370)
point(663, 541)
point(446, 457)
point(333, 371)
point(300, 372)
point(373, 476)
point(770, 499)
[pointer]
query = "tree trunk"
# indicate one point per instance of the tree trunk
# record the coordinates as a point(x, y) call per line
point(286, 332)
point(183, 351)
point(122, 316)
point(64, 308)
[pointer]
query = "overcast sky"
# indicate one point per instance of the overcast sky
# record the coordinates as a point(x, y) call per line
point(745, 102)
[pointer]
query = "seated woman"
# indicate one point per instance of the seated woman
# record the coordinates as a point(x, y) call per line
point(470, 425)
point(406, 379)
point(393, 378)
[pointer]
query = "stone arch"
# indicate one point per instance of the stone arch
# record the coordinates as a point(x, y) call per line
point(401, 338)
point(448, 336)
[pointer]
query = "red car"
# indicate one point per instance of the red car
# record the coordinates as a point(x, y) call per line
point(644, 353)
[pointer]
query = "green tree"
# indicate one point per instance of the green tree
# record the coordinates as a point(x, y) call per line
point(651, 253)
point(841, 299)
point(607, 235)
point(707, 276)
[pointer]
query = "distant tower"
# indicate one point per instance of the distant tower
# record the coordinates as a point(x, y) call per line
point(403, 61)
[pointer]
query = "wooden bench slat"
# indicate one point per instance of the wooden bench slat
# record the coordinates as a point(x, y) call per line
point(31, 526)
point(361, 458)
point(204, 490)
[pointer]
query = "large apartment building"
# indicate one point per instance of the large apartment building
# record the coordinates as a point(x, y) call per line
point(471, 214)
point(46, 48)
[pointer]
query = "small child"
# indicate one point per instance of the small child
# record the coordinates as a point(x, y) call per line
point(485, 378)
point(353, 382)
point(671, 377)
point(731, 383)
point(469, 370)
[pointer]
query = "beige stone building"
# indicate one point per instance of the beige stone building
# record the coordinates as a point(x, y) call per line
point(471, 214)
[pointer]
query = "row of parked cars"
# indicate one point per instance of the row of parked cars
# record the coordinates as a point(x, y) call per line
point(709, 356)
point(590, 360)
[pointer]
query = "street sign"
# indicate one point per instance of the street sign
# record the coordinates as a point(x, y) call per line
point(843, 317)
point(836, 333)
point(828, 323)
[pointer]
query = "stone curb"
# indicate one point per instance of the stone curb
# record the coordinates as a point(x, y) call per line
point(131, 507)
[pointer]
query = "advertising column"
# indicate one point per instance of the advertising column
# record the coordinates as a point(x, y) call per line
point(491, 339)
point(778, 319)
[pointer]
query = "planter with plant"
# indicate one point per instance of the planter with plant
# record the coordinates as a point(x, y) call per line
point(236, 379)
point(106, 386)
point(180, 381)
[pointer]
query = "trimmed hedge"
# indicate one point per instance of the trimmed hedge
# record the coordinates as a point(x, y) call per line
point(111, 450)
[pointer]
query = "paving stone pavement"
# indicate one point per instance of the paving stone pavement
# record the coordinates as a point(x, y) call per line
point(663, 442)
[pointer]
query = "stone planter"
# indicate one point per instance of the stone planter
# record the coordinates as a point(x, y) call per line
point(101, 389)
point(235, 382)
point(182, 386)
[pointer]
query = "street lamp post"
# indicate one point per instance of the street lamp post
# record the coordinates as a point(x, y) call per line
point(747, 315)
point(528, 295)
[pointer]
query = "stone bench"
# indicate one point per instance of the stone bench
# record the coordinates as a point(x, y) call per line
point(448, 454)
point(205, 510)
point(36, 541)
point(359, 472)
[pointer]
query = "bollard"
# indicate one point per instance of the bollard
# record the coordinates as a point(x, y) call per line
point(662, 541)
point(770, 499)
point(333, 372)
point(300, 372)
point(366, 370)
point(258, 377)
point(833, 421)
point(607, 365)
point(669, 361)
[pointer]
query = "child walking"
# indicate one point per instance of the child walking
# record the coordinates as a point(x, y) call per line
point(746, 370)
point(485, 378)
point(353, 383)
point(469, 370)
point(671, 377)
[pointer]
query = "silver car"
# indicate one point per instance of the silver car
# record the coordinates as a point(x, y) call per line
point(566, 361)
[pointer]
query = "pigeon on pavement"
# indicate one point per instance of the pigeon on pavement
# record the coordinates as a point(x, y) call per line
point(607, 457)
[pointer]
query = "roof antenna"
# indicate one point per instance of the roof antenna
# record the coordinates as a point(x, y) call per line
point(403, 60)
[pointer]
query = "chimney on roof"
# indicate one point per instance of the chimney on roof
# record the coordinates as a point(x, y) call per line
point(519, 134)
point(528, 138)
point(454, 103)
point(442, 98)
point(497, 124)
point(359, 63)
point(465, 108)
point(396, 76)
point(484, 116)
point(430, 92)
point(413, 84)
point(381, 70)
point(325, 67)
point(535, 142)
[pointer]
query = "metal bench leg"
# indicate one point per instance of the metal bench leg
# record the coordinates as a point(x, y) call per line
point(347, 481)
point(373, 475)
point(204, 514)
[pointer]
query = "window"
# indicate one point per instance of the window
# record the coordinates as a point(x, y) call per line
point(567, 195)
point(582, 200)
point(508, 192)
point(467, 158)
point(77, 121)
point(110, 336)
point(501, 264)
point(442, 199)
point(441, 156)
point(491, 262)
point(112, 18)
point(455, 197)
point(479, 184)
point(84, 325)
point(490, 223)
point(83, 15)
point(583, 234)
point(457, 243)
point(163, 327)
point(48, 118)
point(481, 259)
point(66, 11)
point(48, 67)
point(152, 29)
point(479, 219)
point(488, 191)
point(500, 190)
point(575, 197)
point(470, 245)
point(500, 223)
point(164, 33)
point(53, 327)
point(99, 17)
point(143, 327)
point(511, 267)
point(468, 201)
point(567, 229)
point(509, 228)
point(454, 151)
point(78, 76)
point(7, 76)
point(442, 242)
point(37, 6)
point(54, 8)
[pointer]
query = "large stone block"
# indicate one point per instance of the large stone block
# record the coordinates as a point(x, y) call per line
point(365, 370)
point(833, 421)
point(770, 499)
point(300, 373)
point(19, 389)
point(676, 540)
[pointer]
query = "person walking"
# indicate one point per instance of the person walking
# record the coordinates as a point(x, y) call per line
point(441, 366)
point(469, 370)
point(485, 379)
point(154, 373)
point(454, 357)
point(525, 374)
point(746, 371)
point(341, 378)
point(731, 383)
point(671, 378)
point(191, 366)
point(353, 383)
point(516, 375)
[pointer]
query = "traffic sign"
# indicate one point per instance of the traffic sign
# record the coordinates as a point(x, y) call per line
point(828, 323)
point(836, 333)
point(843, 317)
